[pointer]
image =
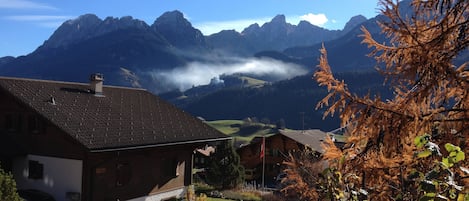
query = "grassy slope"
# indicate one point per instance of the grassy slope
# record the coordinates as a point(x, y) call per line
point(252, 82)
point(233, 129)
point(226, 126)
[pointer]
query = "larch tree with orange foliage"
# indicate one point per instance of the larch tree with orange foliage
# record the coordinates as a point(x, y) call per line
point(412, 146)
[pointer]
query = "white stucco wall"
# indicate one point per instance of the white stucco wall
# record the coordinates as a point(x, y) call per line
point(178, 193)
point(60, 175)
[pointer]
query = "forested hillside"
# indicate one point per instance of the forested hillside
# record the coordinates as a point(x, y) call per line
point(290, 100)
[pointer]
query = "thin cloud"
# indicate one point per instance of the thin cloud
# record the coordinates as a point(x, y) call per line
point(315, 19)
point(200, 73)
point(186, 16)
point(50, 24)
point(208, 28)
point(47, 21)
point(24, 4)
point(38, 17)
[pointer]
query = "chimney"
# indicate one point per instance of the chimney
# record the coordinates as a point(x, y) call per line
point(96, 84)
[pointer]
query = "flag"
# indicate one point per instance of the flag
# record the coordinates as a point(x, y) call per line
point(262, 148)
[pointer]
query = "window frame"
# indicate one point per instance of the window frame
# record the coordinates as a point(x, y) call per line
point(35, 170)
point(123, 173)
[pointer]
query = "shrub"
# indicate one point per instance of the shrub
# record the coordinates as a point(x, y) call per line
point(245, 196)
point(8, 187)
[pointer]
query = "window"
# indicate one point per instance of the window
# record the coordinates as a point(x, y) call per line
point(19, 123)
point(275, 152)
point(9, 122)
point(13, 122)
point(34, 124)
point(123, 174)
point(36, 170)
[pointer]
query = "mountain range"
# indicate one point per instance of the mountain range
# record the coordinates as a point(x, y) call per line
point(89, 44)
point(130, 52)
point(276, 35)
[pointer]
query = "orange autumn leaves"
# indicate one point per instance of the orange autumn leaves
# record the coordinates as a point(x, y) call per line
point(431, 95)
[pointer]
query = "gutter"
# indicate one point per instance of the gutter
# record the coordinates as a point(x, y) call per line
point(158, 145)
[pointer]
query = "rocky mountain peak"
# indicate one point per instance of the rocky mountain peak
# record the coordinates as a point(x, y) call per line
point(72, 31)
point(304, 25)
point(276, 34)
point(278, 23)
point(178, 30)
point(173, 19)
point(277, 29)
point(353, 22)
point(111, 24)
point(279, 19)
point(251, 29)
point(84, 19)
point(89, 26)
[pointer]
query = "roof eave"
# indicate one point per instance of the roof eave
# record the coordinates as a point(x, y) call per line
point(157, 145)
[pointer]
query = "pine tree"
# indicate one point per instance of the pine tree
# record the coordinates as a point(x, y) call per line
point(224, 170)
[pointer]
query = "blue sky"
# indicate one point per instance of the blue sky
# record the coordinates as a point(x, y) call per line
point(26, 24)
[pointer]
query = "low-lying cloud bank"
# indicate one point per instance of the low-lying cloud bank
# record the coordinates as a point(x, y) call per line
point(200, 73)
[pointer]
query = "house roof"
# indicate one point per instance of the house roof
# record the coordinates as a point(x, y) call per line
point(309, 138)
point(123, 117)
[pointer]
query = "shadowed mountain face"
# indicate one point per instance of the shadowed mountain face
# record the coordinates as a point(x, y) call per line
point(132, 49)
point(119, 46)
point(178, 31)
point(346, 53)
point(292, 100)
point(89, 26)
point(276, 35)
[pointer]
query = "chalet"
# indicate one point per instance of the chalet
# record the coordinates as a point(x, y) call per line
point(277, 148)
point(92, 142)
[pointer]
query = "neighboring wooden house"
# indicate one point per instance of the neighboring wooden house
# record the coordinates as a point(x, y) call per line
point(93, 142)
point(201, 162)
point(277, 149)
point(201, 156)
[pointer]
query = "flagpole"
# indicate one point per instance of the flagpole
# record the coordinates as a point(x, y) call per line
point(263, 160)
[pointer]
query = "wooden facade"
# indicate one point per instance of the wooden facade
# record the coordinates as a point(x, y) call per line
point(132, 173)
point(277, 149)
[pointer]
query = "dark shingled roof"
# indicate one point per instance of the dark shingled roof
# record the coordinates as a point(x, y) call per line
point(123, 117)
point(310, 138)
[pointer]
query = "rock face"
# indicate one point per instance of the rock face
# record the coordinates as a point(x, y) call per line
point(354, 22)
point(89, 44)
point(89, 26)
point(276, 35)
point(272, 35)
point(178, 31)
point(236, 42)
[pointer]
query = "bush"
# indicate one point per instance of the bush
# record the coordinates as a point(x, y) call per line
point(8, 187)
point(245, 196)
point(273, 197)
point(203, 188)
